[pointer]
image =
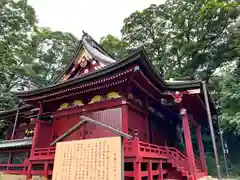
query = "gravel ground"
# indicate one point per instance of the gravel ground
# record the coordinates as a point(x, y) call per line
point(211, 178)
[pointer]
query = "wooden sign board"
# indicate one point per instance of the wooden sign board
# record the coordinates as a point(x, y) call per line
point(91, 159)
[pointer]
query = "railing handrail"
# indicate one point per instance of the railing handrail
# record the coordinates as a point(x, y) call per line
point(179, 152)
point(47, 148)
point(172, 152)
point(13, 165)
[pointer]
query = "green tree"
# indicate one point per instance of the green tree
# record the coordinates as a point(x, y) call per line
point(182, 37)
point(52, 53)
point(17, 23)
point(114, 46)
point(30, 56)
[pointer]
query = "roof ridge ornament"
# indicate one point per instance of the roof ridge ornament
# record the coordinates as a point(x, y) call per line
point(90, 46)
point(89, 38)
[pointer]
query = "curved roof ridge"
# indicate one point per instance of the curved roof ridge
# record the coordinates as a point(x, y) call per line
point(89, 44)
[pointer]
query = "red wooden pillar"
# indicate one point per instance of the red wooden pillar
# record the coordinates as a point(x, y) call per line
point(150, 174)
point(146, 135)
point(201, 148)
point(40, 108)
point(136, 162)
point(28, 177)
point(34, 140)
point(124, 117)
point(160, 177)
point(188, 142)
point(137, 170)
point(45, 173)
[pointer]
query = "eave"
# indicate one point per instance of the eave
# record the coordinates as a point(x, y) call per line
point(10, 114)
point(139, 58)
point(80, 79)
point(16, 143)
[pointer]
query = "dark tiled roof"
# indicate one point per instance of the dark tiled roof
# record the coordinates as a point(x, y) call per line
point(15, 143)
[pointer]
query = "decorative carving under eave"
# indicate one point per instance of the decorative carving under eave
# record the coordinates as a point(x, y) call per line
point(95, 99)
point(137, 100)
point(130, 96)
point(82, 60)
point(28, 133)
point(64, 106)
point(65, 77)
point(178, 95)
point(110, 95)
point(159, 114)
point(77, 103)
point(113, 95)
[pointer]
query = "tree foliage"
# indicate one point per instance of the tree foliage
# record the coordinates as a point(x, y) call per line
point(52, 52)
point(114, 46)
point(183, 37)
point(30, 56)
point(17, 23)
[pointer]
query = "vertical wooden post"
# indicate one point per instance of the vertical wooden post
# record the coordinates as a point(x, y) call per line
point(34, 141)
point(205, 93)
point(160, 177)
point(28, 177)
point(9, 159)
point(83, 130)
point(40, 108)
point(188, 142)
point(35, 137)
point(201, 148)
point(122, 158)
point(36, 129)
point(45, 172)
point(150, 174)
point(124, 129)
point(137, 170)
point(135, 148)
point(147, 129)
point(136, 162)
point(124, 117)
point(15, 123)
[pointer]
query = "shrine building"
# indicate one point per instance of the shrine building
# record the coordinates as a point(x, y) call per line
point(128, 95)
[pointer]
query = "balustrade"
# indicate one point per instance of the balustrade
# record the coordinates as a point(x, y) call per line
point(134, 151)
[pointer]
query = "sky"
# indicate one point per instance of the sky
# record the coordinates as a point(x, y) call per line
point(96, 17)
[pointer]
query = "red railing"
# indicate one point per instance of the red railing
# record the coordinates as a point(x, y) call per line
point(43, 153)
point(132, 149)
point(129, 149)
point(163, 152)
point(152, 150)
point(14, 168)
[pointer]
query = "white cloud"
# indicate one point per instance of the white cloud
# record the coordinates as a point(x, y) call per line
point(97, 17)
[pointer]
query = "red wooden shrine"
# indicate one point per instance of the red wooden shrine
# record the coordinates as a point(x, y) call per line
point(128, 95)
